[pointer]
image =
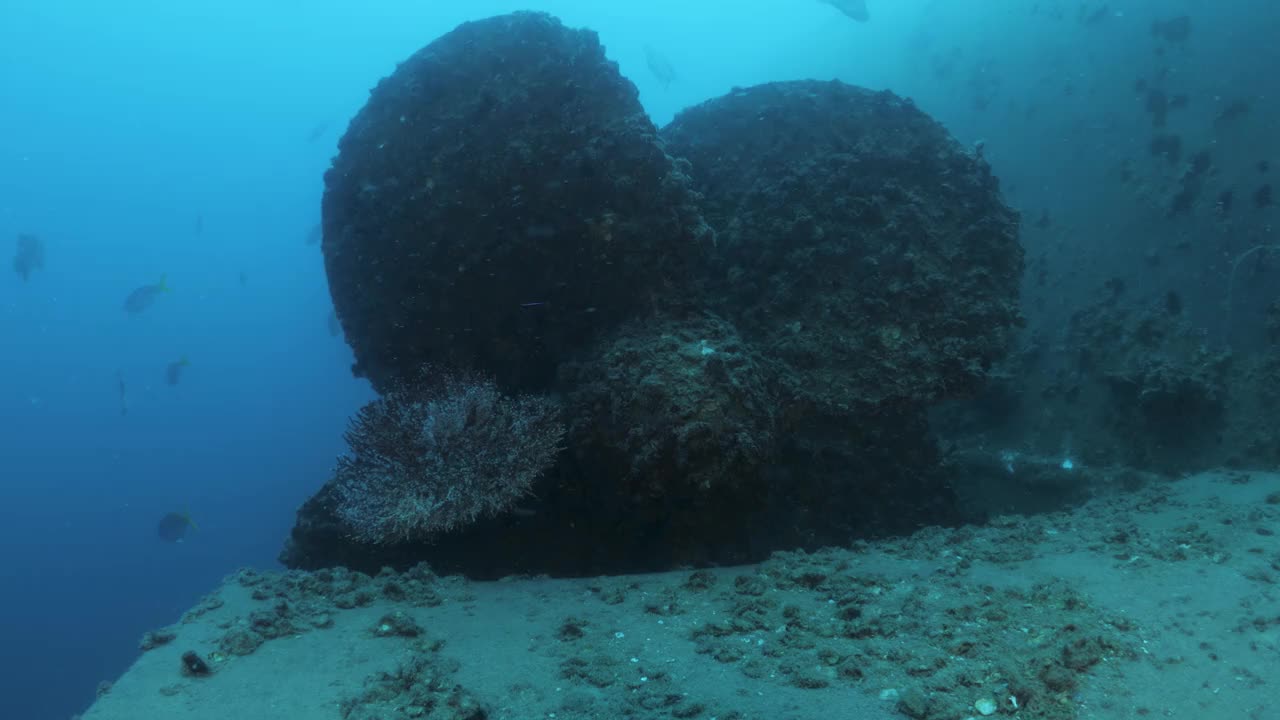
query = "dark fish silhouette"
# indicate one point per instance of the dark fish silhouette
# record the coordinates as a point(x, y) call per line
point(1234, 111)
point(1174, 31)
point(173, 526)
point(174, 372)
point(1096, 16)
point(659, 66)
point(1262, 196)
point(142, 298)
point(30, 256)
point(856, 9)
point(124, 396)
point(317, 131)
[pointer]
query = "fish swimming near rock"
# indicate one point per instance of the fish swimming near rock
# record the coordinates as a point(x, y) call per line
point(173, 526)
point(30, 256)
point(317, 131)
point(142, 298)
point(856, 9)
point(661, 68)
point(173, 373)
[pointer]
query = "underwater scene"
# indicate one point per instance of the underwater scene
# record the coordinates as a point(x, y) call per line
point(577, 359)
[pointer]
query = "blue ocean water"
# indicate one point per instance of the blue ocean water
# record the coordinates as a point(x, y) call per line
point(142, 140)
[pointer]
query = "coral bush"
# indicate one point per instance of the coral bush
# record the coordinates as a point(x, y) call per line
point(438, 453)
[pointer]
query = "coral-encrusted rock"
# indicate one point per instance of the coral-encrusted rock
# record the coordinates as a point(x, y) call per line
point(859, 244)
point(673, 408)
point(503, 205)
point(501, 200)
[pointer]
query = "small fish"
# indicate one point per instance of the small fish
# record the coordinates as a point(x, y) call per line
point(142, 298)
point(856, 9)
point(30, 256)
point(124, 395)
point(1173, 31)
point(317, 131)
point(173, 526)
point(1233, 111)
point(660, 67)
point(174, 372)
point(1262, 196)
point(1096, 16)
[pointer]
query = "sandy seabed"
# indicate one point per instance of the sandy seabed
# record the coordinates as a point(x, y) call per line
point(1156, 602)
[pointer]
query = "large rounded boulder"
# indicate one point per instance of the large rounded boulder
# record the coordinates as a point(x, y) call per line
point(860, 246)
point(500, 201)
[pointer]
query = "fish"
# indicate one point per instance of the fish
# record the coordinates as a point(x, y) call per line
point(317, 131)
point(30, 256)
point(856, 9)
point(173, 526)
point(1231, 112)
point(142, 298)
point(174, 372)
point(1262, 196)
point(1088, 18)
point(124, 395)
point(659, 66)
point(1173, 31)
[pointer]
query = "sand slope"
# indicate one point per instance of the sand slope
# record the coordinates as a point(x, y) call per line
point(1156, 602)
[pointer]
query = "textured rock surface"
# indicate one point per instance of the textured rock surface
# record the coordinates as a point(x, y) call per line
point(1128, 381)
point(500, 200)
point(860, 246)
point(752, 381)
point(673, 407)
